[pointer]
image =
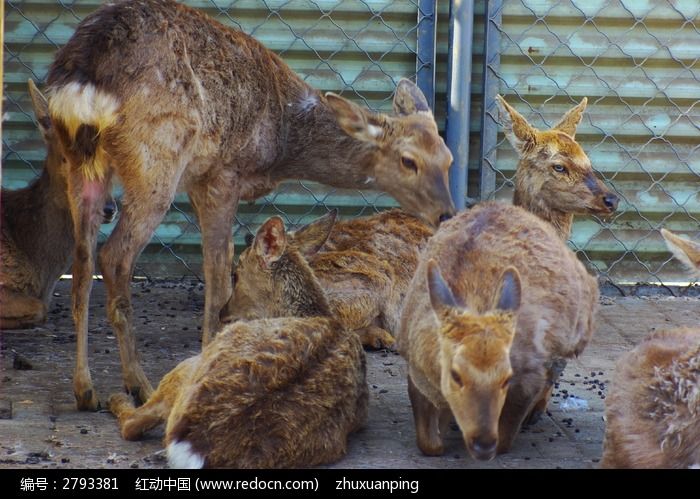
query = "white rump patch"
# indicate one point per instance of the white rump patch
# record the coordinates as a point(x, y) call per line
point(76, 104)
point(181, 456)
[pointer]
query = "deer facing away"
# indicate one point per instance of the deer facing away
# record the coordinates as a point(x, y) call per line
point(283, 389)
point(166, 99)
point(497, 305)
point(653, 409)
point(36, 233)
point(367, 263)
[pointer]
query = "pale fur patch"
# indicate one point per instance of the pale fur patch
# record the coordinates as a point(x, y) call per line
point(374, 131)
point(181, 456)
point(78, 104)
point(308, 102)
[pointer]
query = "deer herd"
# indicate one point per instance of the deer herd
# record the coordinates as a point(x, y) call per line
point(486, 305)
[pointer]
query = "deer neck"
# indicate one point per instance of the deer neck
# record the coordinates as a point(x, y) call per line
point(302, 294)
point(317, 149)
point(561, 221)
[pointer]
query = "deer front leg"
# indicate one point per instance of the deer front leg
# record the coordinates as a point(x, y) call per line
point(20, 311)
point(427, 420)
point(522, 397)
point(215, 209)
point(374, 337)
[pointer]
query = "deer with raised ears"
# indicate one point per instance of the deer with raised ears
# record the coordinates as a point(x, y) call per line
point(497, 305)
point(36, 233)
point(653, 410)
point(554, 178)
point(165, 98)
point(365, 267)
point(283, 389)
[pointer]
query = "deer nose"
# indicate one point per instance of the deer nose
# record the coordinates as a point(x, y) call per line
point(484, 448)
point(445, 216)
point(610, 201)
point(109, 211)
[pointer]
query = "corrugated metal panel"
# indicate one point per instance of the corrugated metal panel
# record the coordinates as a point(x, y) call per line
point(359, 48)
point(638, 64)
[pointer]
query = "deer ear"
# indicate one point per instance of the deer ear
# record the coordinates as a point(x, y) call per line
point(41, 109)
point(521, 135)
point(357, 122)
point(310, 238)
point(270, 241)
point(441, 297)
point(571, 119)
point(409, 99)
point(685, 250)
point(508, 296)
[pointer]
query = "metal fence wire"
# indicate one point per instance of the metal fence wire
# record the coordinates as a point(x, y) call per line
point(636, 61)
point(638, 64)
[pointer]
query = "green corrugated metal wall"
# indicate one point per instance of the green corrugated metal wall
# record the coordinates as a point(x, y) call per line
point(358, 48)
point(639, 65)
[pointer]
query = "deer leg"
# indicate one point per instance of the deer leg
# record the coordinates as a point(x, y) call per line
point(374, 337)
point(86, 200)
point(20, 311)
point(519, 404)
point(140, 216)
point(215, 208)
point(427, 420)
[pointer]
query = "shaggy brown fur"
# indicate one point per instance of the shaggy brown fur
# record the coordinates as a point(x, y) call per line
point(456, 335)
point(554, 178)
point(653, 410)
point(36, 234)
point(365, 267)
point(282, 390)
point(167, 99)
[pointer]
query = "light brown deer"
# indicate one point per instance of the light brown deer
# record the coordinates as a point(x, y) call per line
point(554, 178)
point(485, 342)
point(653, 410)
point(36, 233)
point(166, 99)
point(370, 301)
point(283, 389)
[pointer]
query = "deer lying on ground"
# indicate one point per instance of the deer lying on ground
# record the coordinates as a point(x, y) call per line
point(166, 99)
point(653, 409)
point(554, 180)
point(36, 234)
point(283, 389)
point(485, 342)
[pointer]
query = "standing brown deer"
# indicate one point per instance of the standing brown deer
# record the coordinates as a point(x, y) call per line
point(485, 342)
point(165, 98)
point(36, 233)
point(554, 179)
point(282, 389)
point(653, 410)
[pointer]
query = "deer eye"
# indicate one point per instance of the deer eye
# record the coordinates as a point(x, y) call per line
point(408, 163)
point(559, 168)
point(506, 383)
point(455, 377)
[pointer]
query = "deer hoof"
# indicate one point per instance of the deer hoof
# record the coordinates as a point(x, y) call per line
point(87, 401)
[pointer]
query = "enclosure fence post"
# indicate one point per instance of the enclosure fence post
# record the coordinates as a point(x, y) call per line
point(425, 49)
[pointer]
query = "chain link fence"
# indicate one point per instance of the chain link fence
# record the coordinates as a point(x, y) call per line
point(357, 48)
point(638, 64)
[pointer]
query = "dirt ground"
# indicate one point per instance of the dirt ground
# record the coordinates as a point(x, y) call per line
point(40, 427)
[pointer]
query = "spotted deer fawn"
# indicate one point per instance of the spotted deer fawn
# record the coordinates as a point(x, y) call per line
point(653, 409)
point(497, 304)
point(283, 389)
point(166, 99)
point(554, 180)
point(36, 233)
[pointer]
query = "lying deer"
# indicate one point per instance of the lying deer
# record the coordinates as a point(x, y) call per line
point(166, 99)
point(653, 410)
point(554, 180)
point(497, 305)
point(36, 233)
point(282, 389)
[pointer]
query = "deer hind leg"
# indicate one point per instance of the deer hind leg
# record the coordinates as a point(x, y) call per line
point(427, 419)
point(215, 204)
point(145, 203)
point(86, 200)
point(20, 311)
